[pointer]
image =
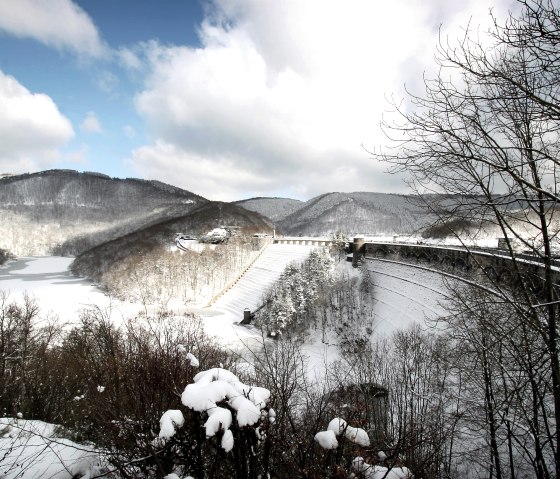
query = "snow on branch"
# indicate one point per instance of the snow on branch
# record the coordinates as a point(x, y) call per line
point(168, 423)
point(210, 388)
point(379, 472)
point(337, 427)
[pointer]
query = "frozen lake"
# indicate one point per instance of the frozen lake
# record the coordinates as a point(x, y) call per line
point(48, 280)
point(58, 292)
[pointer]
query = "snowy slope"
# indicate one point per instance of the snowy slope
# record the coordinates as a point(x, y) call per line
point(32, 450)
point(274, 208)
point(360, 212)
point(405, 294)
point(249, 290)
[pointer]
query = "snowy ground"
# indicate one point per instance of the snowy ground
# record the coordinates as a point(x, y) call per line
point(32, 450)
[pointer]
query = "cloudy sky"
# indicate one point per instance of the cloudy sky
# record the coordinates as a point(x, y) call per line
point(229, 99)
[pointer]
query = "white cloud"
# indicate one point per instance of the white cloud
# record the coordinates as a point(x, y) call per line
point(282, 94)
point(106, 81)
point(91, 124)
point(32, 129)
point(128, 58)
point(57, 23)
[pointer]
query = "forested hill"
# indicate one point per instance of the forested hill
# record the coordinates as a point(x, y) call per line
point(98, 194)
point(276, 209)
point(114, 263)
point(362, 212)
point(66, 212)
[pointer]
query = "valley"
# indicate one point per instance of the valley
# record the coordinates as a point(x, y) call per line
point(117, 297)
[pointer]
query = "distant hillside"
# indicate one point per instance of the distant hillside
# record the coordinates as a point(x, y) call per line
point(354, 213)
point(274, 208)
point(116, 263)
point(66, 212)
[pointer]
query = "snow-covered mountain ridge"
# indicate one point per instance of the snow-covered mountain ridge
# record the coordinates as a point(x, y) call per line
point(359, 212)
point(67, 212)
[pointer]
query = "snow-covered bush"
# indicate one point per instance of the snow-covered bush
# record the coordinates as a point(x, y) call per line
point(109, 386)
point(367, 471)
point(5, 255)
point(24, 339)
point(234, 417)
point(339, 427)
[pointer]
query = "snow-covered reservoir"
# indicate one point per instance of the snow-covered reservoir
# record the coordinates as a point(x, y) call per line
point(48, 280)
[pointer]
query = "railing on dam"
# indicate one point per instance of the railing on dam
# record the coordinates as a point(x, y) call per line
point(302, 240)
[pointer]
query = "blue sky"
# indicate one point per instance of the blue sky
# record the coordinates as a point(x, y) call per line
point(226, 98)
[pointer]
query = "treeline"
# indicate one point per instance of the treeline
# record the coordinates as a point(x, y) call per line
point(5, 255)
point(157, 274)
point(94, 191)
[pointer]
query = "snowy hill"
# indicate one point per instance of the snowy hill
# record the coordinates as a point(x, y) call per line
point(160, 237)
point(363, 212)
point(276, 209)
point(66, 212)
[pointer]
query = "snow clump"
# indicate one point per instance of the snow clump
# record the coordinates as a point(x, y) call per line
point(326, 439)
point(193, 361)
point(210, 388)
point(338, 427)
point(169, 421)
point(379, 472)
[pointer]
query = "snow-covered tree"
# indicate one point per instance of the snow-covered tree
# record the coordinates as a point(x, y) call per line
point(226, 428)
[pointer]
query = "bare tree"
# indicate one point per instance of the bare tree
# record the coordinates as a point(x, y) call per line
point(482, 144)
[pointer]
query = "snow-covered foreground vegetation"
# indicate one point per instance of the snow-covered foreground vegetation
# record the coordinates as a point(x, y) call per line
point(348, 343)
point(76, 370)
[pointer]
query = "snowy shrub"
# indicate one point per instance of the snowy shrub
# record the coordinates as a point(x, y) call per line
point(25, 337)
point(368, 471)
point(125, 379)
point(235, 421)
point(5, 255)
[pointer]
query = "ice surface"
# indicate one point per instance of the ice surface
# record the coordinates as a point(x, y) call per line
point(57, 291)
